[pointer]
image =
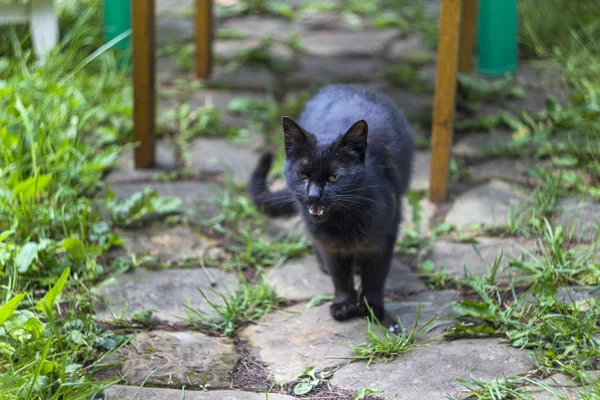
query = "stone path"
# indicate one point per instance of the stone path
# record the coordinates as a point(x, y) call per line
point(171, 354)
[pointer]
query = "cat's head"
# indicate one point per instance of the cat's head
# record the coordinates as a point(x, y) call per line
point(325, 175)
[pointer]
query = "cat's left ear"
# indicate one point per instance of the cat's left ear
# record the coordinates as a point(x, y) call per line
point(355, 139)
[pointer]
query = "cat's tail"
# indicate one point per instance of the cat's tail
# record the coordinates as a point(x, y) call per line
point(273, 204)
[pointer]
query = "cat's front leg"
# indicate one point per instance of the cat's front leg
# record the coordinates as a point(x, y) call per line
point(341, 266)
point(374, 267)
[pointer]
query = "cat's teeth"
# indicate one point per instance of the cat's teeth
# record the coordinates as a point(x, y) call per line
point(316, 210)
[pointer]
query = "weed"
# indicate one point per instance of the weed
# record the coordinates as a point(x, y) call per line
point(230, 34)
point(237, 308)
point(558, 262)
point(382, 343)
point(140, 206)
point(495, 389)
point(477, 90)
point(561, 335)
point(364, 392)
point(528, 218)
point(435, 279)
point(260, 56)
point(308, 380)
point(406, 76)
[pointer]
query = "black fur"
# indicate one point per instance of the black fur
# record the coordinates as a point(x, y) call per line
point(351, 153)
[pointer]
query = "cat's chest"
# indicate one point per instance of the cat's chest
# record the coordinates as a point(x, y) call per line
point(342, 235)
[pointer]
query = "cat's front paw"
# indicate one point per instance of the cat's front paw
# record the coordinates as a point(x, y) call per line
point(377, 309)
point(343, 311)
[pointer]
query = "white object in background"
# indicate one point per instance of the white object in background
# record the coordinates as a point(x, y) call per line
point(42, 20)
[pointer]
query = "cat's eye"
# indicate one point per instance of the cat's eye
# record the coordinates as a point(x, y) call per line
point(333, 178)
point(302, 176)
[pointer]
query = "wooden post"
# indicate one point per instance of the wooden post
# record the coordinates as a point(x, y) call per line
point(143, 71)
point(203, 38)
point(468, 28)
point(443, 105)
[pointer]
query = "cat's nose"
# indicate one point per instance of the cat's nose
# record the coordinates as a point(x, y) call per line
point(314, 193)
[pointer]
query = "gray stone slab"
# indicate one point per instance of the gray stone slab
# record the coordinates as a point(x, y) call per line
point(421, 168)
point(310, 70)
point(488, 205)
point(245, 77)
point(428, 210)
point(194, 195)
point(165, 243)
point(229, 49)
point(178, 358)
point(348, 43)
point(301, 279)
point(579, 215)
point(403, 280)
point(327, 21)
point(166, 291)
point(177, 7)
point(125, 170)
point(579, 294)
point(174, 29)
point(434, 304)
point(293, 339)
point(168, 70)
point(284, 226)
point(511, 170)
point(260, 26)
point(430, 372)
point(403, 48)
point(221, 157)
point(454, 257)
point(474, 145)
point(120, 392)
point(411, 103)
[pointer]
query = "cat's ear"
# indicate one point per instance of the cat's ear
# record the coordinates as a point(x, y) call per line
point(293, 134)
point(355, 139)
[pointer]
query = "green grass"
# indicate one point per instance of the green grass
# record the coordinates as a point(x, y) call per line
point(62, 126)
point(562, 335)
point(559, 261)
point(237, 308)
point(383, 344)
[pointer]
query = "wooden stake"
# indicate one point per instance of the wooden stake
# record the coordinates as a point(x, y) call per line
point(203, 38)
point(443, 108)
point(143, 71)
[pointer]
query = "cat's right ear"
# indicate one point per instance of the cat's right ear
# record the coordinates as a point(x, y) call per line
point(293, 134)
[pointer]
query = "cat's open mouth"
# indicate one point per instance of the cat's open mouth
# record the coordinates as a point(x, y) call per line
point(316, 210)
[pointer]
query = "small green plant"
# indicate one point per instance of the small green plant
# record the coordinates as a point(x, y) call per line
point(140, 206)
point(435, 279)
point(531, 216)
point(561, 335)
point(308, 380)
point(260, 56)
point(237, 308)
point(382, 343)
point(478, 90)
point(406, 76)
point(364, 392)
point(558, 261)
point(495, 389)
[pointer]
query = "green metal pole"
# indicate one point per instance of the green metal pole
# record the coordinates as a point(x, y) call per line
point(497, 48)
point(117, 19)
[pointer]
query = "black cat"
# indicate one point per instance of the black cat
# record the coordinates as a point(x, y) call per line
point(347, 188)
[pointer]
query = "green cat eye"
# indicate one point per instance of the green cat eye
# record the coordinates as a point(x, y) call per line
point(302, 176)
point(333, 178)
